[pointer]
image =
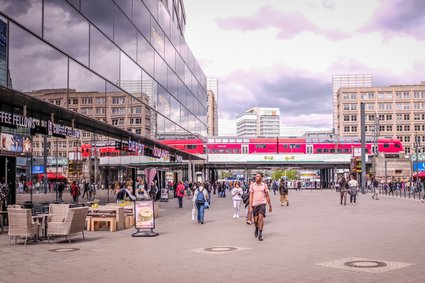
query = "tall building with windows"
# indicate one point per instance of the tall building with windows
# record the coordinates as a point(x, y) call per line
point(348, 80)
point(397, 111)
point(125, 63)
point(120, 48)
point(259, 122)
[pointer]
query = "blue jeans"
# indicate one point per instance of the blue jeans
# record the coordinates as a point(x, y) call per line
point(201, 209)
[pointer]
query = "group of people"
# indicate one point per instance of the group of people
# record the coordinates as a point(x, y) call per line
point(256, 197)
point(350, 187)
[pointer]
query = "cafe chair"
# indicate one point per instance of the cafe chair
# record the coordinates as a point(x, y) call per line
point(73, 223)
point(57, 212)
point(21, 224)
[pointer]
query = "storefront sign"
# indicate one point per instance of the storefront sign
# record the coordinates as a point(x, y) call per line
point(144, 214)
point(161, 153)
point(37, 170)
point(59, 130)
point(137, 147)
point(14, 120)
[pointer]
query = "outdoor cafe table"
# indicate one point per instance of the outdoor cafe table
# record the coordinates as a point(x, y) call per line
point(42, 218)
point(106, 210)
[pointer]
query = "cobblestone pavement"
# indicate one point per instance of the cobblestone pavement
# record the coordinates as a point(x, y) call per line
point(315, 239)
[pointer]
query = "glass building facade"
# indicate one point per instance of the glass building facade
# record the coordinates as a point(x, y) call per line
point(114, 60)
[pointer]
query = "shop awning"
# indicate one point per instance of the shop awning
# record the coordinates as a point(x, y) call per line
point(52, 176)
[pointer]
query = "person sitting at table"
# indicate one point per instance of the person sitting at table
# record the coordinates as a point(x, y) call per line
point(141, 193)
point(129, 192)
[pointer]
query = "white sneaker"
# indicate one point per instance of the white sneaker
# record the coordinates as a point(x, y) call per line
point(237, 216)
point(423, 200)
point(234, 216)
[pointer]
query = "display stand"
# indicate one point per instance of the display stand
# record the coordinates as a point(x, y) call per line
point(144, 219)
point(164, 195)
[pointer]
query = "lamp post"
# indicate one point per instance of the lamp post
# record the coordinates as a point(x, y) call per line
point(417, 146)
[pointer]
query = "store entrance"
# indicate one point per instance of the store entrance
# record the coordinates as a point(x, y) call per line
point(8, 175)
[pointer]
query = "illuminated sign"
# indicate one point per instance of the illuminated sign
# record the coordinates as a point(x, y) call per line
point(16, 120)
point(59, 130)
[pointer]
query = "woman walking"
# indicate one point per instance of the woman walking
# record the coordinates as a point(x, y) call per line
point(180, 193)
point(283, 191)
point(353, 186)
point(237, 199)
point(343, 190)
point(75, 192)
point(200, 197)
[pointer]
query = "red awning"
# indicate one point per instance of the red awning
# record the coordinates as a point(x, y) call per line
point(421, 174)
point(52, 176)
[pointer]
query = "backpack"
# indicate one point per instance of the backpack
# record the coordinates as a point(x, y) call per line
point(283, 190)
point(200, 198)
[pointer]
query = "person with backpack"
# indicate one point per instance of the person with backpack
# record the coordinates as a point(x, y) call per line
point(237, 199)
point(343, 185)
point(181, 189)
point(200, 198)
point(283, 190)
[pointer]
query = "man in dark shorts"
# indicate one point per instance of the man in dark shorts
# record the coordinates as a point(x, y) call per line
point(259, 196)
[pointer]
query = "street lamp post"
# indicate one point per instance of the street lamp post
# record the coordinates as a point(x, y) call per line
point(417, 146)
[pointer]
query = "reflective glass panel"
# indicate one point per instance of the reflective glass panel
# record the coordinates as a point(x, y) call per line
point(25, 12)
point(65, 28)
point(157, 38)
point(142, 18)
point(131, 76)
point(101, 13)
point(88, 88)
point(126, 6)
point(104, 55)
point(45, 60)
point(3, 52)
point(125, 34)
point(145, 55)
point(160, 70)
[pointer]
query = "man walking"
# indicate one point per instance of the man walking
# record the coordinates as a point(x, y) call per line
point(259, 195)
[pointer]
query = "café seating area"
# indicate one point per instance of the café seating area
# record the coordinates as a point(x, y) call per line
point(61, 220)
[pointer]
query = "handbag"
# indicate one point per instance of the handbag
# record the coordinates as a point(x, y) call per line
point(206, 205)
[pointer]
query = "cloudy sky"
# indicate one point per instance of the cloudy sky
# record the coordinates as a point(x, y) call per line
point(283, 53)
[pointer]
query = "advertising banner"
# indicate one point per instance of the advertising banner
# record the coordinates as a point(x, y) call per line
point(144, 214)
point(11, 142)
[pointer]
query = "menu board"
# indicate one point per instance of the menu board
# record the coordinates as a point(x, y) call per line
point(144, 214)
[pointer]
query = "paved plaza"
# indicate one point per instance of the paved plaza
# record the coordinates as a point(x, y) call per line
point(315, 239)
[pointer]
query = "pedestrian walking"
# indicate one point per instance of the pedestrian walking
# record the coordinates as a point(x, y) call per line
point(200, 196)
point(86, 190)
point(259, 196)
point(375, 185)
point(180, 193)
point(343, 186)
point(237, 199)
point(283, 191)
point(353, 186)
point(75, 192)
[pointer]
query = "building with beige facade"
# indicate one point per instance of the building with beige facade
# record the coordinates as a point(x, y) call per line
point(346, 80)
point(396, 111)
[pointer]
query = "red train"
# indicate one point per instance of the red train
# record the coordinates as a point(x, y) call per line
point(237, 145)
point(319, 145)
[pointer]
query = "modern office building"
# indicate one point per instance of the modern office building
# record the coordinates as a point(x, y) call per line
point(348, 80)
point(125, 63)
point(212, 114)
point(212, 84)
point(259, 122)
point(397, 111)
